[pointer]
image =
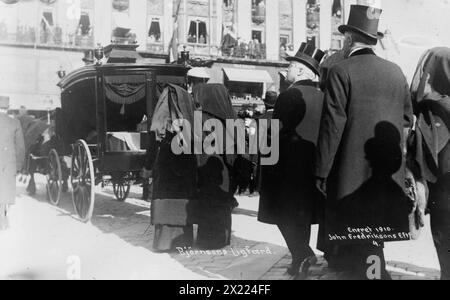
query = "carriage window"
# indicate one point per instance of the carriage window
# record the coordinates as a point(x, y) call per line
point(198, 33)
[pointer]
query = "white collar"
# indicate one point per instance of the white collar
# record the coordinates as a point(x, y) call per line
point(357, 49)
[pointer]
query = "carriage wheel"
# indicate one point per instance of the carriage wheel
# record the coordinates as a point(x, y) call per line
point(83, 181)
point(121, 190)
point(54, 178)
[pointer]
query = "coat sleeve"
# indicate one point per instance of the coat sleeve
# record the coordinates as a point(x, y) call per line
point(19, 143)
point(334, 119)
point(408, 116)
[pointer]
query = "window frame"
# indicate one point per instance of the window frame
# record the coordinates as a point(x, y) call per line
point(198, 20)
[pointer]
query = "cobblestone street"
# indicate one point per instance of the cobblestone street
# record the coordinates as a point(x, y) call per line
point(117, 244)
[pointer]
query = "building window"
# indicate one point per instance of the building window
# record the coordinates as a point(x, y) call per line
point(121, 5)
point(122, 33)
point(313, 22)
point(286, 27)
point(155, 25)
point(337, 19)
point(257, 46)
point(258, 12)
point(198, 32)
point(84, 33)
point(229, 36)
point(154, 32)
point(49, 32)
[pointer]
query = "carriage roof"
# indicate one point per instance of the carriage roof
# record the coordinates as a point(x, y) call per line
point(90, 72)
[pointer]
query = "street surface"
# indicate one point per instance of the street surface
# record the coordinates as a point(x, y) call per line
point(47, 242)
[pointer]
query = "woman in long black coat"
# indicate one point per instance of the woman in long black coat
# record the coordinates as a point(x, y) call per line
point(174, 176)
point(431, 152)
point(287, 188)
point(215, 186)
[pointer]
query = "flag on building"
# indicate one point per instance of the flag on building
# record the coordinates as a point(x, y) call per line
point(173, 46)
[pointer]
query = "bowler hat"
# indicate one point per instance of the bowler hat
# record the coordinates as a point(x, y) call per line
point(364, 20)
point(89, 56)
point(309, 55)
point(4, 102)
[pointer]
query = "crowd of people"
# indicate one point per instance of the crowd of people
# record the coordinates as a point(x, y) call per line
point(358, 148)
point(362, 154)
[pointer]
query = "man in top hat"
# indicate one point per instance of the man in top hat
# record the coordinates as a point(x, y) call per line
point(12, 157)
point(88, 58)
point(288, 192)
point(359, 163)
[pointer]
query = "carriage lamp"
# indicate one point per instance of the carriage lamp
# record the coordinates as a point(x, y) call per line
point(99, 54)
point(185, 56)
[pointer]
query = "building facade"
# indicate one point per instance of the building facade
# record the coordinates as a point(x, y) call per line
point(40, 37)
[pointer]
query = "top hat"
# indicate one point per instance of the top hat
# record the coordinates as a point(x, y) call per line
point(309, 55)
point(89, 56)
point(364, 20)
point(271, 99)
point(4, 102)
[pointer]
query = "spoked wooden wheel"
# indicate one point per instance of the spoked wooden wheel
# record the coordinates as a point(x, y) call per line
point(121, 191)
point(83, 181)
point(54, 178)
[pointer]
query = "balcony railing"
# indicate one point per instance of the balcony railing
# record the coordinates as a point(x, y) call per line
point(25, 35)
point(249, 50)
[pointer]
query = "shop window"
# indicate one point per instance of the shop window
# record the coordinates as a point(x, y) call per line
point(198, 33)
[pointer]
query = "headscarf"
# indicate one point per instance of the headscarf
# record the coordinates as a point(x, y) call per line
point(432, 74)
point(430, 91)
point(214, 99)
point(175, 103)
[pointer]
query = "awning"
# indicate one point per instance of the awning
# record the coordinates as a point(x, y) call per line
point(248, 75)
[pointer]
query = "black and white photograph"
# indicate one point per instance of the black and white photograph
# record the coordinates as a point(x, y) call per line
point(225, 141)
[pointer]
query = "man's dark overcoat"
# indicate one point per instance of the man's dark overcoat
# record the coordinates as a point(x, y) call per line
point(367, 106)
point(287, 189)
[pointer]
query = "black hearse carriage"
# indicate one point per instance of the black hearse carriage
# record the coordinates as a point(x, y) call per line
point(102, 125)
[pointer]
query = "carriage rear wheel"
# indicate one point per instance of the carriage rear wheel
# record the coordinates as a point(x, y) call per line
point(121, 191)
point(83, 181)
point(54, 178)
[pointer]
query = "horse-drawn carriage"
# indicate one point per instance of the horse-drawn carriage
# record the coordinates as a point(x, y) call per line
point(101, 129)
